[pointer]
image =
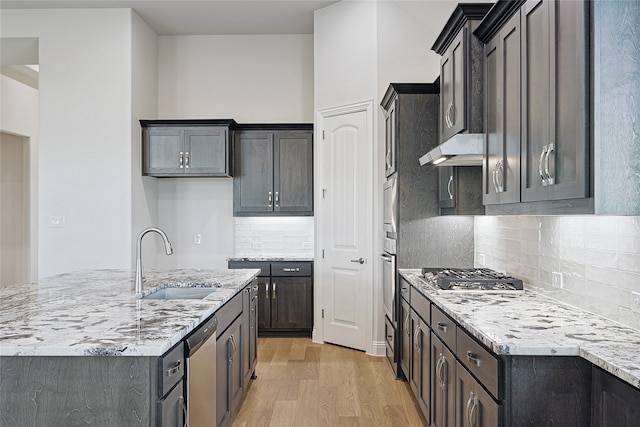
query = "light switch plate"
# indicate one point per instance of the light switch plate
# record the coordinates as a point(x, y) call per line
point(635, 301)
point(56, 221)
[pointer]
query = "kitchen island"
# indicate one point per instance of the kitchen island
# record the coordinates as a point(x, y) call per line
point(81, 348)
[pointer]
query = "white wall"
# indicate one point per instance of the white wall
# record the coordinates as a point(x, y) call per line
point(19, 116)
point(85, 134)
point(252, 79)
point(144, 105)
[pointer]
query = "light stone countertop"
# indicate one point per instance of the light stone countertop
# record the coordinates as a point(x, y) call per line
point(531, 324)
point(96, 312)
point(283, 258)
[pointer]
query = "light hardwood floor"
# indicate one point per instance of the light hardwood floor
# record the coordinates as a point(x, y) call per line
point(300, 383)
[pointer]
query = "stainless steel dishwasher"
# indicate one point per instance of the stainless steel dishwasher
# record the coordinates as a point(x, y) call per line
point(201, 375)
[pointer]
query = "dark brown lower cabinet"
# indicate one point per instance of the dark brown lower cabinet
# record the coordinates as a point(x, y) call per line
point(420, 366)
point(443, 381)
point(229, 372)
point(284, 296)
point(405, 337)
point(614, 403)
point(474, 406)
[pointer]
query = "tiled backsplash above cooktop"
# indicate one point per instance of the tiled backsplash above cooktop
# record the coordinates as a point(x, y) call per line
point(598, 256)
point(274, 237)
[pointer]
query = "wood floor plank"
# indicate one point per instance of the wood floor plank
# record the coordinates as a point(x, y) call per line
point(301, 383)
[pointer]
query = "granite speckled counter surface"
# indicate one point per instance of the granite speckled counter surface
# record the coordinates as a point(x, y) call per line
point(96, 312)
point(528, 323)
point(284, 258)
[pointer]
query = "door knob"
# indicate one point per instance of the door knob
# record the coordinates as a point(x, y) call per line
point(359, 260)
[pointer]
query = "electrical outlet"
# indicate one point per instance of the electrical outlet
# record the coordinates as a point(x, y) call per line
point(197, 239)
point(635, 301)
point(481, 260)
point(307, 245)
point(556, 280)
point(56, 221)
point(257, 245)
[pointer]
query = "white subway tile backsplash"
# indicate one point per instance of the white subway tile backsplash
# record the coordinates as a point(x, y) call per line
point(274, 237)
point(599, 257)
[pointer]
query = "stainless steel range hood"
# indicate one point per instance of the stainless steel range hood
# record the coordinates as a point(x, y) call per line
point(463, 149)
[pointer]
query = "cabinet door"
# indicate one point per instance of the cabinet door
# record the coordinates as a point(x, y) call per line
point(291, 303)
point(253, 181)
point(405, 337)
point(246, 337)
point(172, 410)
point(222, 377)
point(568, 160)
point(253, 328)
point(501, 168)
point(614, 403)
point(535, 97)
point(446, 187)
point(443, 374)
point(163, 151)
point(293, 173)
point(420, 367)
point(235, 354)
point(206, 151)
point(453, 87)
point(264, 303)
point(390, 141)
point(555, 103)
point(474, 406)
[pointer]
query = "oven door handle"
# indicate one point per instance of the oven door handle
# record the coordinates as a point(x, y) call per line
point(386, 258)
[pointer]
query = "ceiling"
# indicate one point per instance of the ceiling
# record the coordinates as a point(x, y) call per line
point(203, 17)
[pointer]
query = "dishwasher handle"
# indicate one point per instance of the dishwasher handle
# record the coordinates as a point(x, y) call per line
point(201, 335)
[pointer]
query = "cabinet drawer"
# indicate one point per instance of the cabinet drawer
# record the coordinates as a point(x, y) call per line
point(444, 327)
point(405, 290)
point(228, 312)
point(290, 269)
point(421, 305)
point(264, 266)
point(171, 367)
point(480, 362)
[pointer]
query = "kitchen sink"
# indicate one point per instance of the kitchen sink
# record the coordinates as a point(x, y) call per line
point(180, 293)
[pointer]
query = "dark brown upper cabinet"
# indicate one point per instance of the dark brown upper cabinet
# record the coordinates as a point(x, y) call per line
point(555, 100)
point(461, 71)
point(187, 148)
point(501, 162)
point(273, 171)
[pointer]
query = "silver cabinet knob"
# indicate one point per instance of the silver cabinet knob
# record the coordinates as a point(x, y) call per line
point(359, 260)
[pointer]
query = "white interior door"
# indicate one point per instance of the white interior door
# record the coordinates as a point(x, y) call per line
point(345, 225)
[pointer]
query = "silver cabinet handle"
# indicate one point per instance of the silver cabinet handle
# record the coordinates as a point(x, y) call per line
point(175, 369)
point(452, 116)
point(186, 160)
point(472, 406)
point(473, 358)
point(270, 199)
point(447, 117)
point(181, 160)
point(277, 199)
point(443, 327)
point(184, 411)
point(450, 187)
point(273, 292)
point(495, 182)
point(416, 343)
point(500, 176)
point(359, 260)
point(289, 270)
point(550, 148)
point(540, 170)
point(266, 291)
point(406, 325)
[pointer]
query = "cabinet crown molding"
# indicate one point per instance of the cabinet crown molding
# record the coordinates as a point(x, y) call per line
point(496, 18)
point(463, 13)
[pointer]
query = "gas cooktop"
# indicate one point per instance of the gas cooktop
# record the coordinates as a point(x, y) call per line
point(470, 279)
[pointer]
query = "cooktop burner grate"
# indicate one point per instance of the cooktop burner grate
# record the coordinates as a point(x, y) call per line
point(479, 279)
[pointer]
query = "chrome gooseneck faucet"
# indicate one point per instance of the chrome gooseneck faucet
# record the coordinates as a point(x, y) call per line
point(167, 247)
